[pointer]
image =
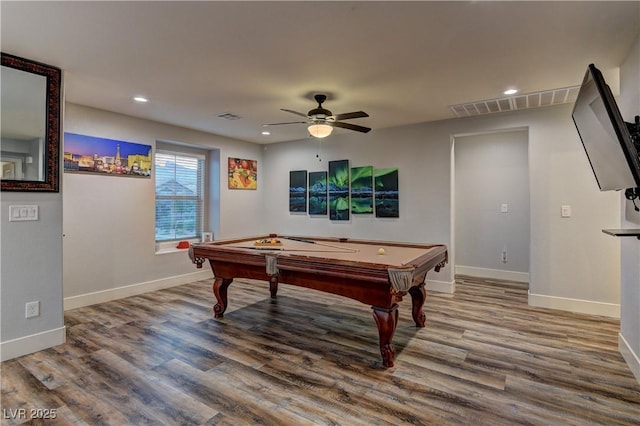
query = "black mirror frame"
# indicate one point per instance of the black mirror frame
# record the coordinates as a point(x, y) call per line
point(51, 181)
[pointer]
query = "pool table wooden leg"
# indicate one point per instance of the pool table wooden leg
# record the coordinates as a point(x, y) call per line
point(220, 286)
point(418, 296)
point(386, 320)
point(273, 286)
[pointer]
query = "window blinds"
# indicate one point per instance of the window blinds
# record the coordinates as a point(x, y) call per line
point(179, 195)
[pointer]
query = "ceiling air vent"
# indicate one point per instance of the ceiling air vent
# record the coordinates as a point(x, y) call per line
point(517, 102)
point(228, 116)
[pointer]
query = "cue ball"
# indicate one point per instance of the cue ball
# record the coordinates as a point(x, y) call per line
point(380, 250)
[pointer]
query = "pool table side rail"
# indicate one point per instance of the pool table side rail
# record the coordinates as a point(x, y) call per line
point(366, 282)
point(217, 245)
point(324, 239)
point(223, 250)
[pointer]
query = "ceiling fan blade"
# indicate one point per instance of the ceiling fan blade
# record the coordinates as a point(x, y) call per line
point(294, 112)
point(288, 122)
point(349, 115)
point(349, 126)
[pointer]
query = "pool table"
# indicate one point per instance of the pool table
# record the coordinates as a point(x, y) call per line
point(377, 273)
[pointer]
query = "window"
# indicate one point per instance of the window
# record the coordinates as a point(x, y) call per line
point(179, 195)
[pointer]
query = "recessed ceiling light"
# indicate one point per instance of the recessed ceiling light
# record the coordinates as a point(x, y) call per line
point(511, 91)
point(140, 99)
point(266, 133)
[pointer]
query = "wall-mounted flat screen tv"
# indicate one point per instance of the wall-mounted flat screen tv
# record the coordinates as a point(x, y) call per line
point(605, 136)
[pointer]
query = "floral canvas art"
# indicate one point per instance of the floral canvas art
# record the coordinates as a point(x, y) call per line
point(243, 174)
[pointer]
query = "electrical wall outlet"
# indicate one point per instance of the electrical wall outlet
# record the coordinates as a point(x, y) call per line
point(32, 309)
point(504, 256)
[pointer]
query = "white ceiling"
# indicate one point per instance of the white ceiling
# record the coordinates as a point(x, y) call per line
point(401, 62)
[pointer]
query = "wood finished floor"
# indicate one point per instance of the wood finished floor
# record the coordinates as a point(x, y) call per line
point(485, 358)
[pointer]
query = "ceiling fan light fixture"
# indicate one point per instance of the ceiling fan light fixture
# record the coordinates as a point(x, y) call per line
point(320, 130)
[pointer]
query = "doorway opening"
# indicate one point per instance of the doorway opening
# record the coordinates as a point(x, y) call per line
point(492, 205)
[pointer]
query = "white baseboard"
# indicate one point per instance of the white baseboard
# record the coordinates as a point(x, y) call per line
point(496, 274)
point(29, 344)
point(611, 310)
point(441, 286)
point(134, 289)
point(632, 359)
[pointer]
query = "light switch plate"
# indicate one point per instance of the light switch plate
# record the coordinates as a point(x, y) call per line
point(23, 213)
point(566, 211)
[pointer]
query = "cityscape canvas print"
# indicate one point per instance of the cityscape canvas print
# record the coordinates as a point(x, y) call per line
point(362, 190)
point(386, 192)
point(90, 154)
point(243, 174)
point(317, 193)
point(298, 191)
point(338, 184)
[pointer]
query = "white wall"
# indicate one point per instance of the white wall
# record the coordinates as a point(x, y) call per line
point(109, 222)
point(573, 265)
point(630, 247)
point(492, 170)
point(31, 256)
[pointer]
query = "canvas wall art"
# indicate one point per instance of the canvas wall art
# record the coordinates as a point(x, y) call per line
point(298, 191)
point(317, 193)
point(94, 155)
point(243, 173)
point(362, 190)
point(386, 192)
point(338, 184)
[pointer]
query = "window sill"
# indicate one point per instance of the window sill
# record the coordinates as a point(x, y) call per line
point(171, 250)
point(170, 246)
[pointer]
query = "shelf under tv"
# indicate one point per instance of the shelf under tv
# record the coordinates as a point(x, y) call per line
point(623, 232)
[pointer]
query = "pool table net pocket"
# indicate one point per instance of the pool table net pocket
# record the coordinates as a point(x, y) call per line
point(401, 279)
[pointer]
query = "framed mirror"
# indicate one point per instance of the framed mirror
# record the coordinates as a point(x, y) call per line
point(30, 126)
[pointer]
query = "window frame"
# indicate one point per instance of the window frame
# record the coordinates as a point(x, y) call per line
point(170, 244)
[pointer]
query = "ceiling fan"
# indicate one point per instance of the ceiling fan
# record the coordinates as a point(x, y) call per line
point(321, 121)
